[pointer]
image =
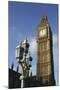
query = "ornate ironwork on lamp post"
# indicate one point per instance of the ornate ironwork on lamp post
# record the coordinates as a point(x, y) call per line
point(24, 58)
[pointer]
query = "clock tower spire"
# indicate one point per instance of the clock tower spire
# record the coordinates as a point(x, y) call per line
point(45, 67)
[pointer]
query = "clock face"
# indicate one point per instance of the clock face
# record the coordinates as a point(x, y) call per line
point(42, 33)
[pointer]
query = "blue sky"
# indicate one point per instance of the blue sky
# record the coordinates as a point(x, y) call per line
point(23, 21)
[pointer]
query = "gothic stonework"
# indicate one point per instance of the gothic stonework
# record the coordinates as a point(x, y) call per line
point(45, 68)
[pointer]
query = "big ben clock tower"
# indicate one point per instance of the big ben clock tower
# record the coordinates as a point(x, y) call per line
point(45, 68)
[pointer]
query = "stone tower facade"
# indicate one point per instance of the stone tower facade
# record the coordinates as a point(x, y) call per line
point(45, 65)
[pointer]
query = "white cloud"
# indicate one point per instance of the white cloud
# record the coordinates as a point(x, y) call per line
point(55, 39)
point(33, 45)
point(55, 47)
point(55, 56)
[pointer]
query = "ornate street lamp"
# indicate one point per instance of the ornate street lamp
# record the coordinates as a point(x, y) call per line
point(19, 53)
point(24, 58)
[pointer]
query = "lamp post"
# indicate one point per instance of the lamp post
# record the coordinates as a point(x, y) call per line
point(24, 59)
